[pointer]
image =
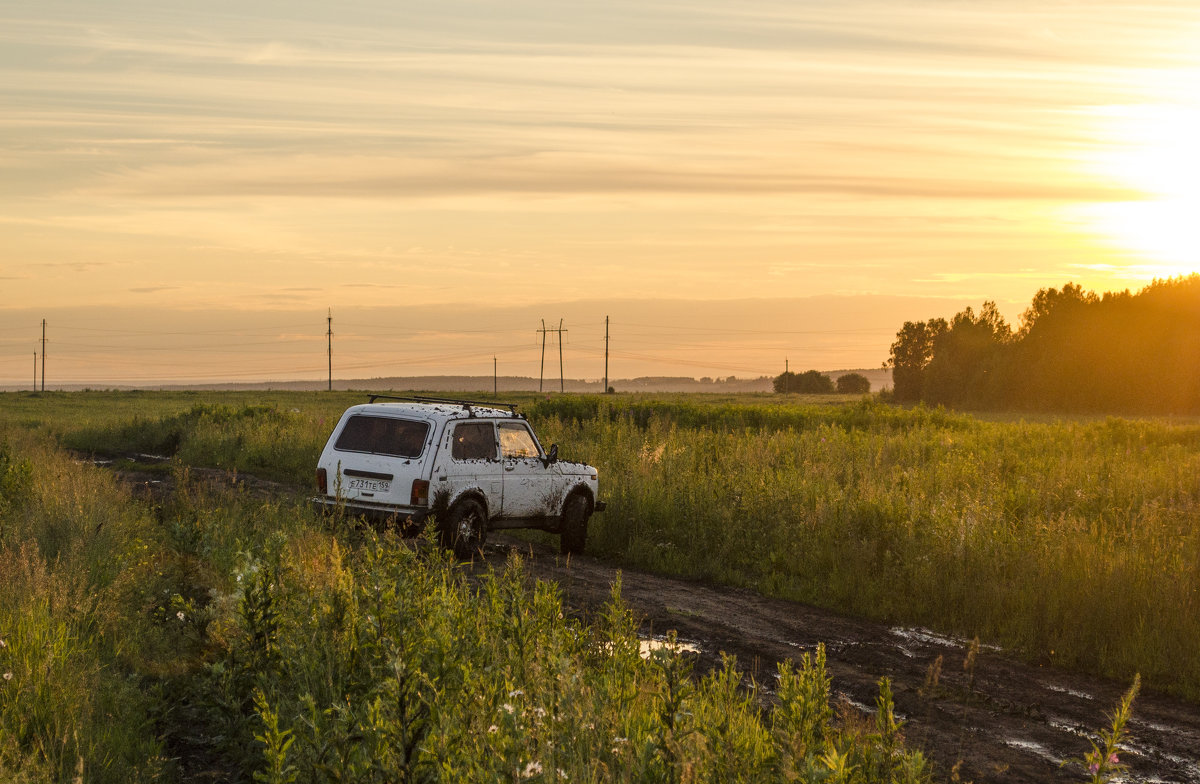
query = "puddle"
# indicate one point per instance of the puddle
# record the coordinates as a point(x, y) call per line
point(1187, 767)
point(648, 645)
point(1033, 748)
point(1072, 692)
point(933, 638)
point(1072, 729)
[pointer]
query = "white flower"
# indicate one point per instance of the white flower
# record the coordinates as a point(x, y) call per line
point(516, 693)
point(180, 615)
point(8, 676)
point(493, 729)
point(532, 769)
point(507, 708)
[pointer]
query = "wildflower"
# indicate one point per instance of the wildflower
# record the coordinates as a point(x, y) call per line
point(180, 615)
point(3, 644)
point(8, 676)
point(493, 729)
point(516, 693)
point(507, 708)
point(532, 769)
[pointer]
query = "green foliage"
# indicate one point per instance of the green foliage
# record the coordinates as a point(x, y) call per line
point(1102, 762)
point(810, 382)
point(910, 355)
point(853, 384)
point(365, 658)
point(402, 667)
point(966, 363)
point(16, 482)
point(1028, 535)
point(258, 439)
point(62, 633)
point(1075, 351)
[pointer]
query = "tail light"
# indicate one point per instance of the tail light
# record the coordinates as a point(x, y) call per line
point(420, 492)
point(322, 481)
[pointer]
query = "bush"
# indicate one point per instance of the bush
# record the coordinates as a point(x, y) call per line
point(853, 384)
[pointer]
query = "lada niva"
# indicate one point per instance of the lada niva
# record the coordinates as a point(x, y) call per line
point(472, 467)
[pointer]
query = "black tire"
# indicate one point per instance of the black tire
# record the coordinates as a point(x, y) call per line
point(573, 536)
point(464, 528)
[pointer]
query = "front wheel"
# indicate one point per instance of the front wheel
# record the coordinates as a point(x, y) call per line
point(464, 529)
point(574, 525)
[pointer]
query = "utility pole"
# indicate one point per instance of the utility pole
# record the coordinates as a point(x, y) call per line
point(43, 355)
point(35, 371)
point(787, 380)
point(542, 371)
point(495, 379)
point(329, 337)
point(606, 355)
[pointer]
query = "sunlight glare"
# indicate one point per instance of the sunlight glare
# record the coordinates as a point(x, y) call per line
point(1152, 148)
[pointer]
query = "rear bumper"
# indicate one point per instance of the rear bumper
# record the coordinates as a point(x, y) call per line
point(413, 515)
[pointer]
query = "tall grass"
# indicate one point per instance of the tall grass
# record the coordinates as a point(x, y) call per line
point(1070, 541)
point(69, 708)
point(216, 634)
point(1073, 542)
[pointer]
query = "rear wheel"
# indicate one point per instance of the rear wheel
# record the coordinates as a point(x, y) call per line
point(574, 525)
point(464, 528)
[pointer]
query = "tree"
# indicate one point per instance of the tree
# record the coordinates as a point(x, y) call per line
point(910, 355)
point(785, 382)
point(967, 362)
point(853, 384)
point(810, 382)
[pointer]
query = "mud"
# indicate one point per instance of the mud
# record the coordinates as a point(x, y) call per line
point(1002, 721)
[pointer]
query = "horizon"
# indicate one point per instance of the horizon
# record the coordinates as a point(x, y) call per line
point(188, 191)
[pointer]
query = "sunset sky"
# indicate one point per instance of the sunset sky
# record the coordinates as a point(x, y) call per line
point(187, 189)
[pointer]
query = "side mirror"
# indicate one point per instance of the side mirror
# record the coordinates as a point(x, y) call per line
point(551, 456)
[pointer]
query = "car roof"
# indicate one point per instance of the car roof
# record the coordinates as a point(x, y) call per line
point(433, 411)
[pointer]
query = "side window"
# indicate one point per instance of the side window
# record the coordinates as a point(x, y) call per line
point(474, 441)
point(517, 441)
point(383, 436)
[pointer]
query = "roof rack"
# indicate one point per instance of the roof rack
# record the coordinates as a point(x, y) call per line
point(466, 404)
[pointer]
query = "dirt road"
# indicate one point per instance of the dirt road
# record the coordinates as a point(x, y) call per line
point(1010, 722)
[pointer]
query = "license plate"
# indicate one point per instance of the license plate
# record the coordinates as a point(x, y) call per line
point(370, 485)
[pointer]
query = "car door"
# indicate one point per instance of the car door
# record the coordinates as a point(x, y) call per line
point(474, 462)
point(531, 488)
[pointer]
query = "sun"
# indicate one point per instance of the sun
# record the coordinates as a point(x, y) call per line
point(1152, 149)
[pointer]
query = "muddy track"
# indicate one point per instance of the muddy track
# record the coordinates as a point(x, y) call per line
point(1005, 721)
point(1001, 721)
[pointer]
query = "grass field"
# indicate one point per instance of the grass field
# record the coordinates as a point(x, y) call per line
point(1071, 542)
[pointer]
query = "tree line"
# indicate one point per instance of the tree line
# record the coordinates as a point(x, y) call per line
point(814, 382)
point(1074, 351)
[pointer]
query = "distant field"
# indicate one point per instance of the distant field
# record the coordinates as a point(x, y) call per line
point(1073, 541)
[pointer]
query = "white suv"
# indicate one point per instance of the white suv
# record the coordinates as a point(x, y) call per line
point(473, 467)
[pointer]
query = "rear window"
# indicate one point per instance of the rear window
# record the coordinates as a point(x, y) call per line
point(383, 436)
